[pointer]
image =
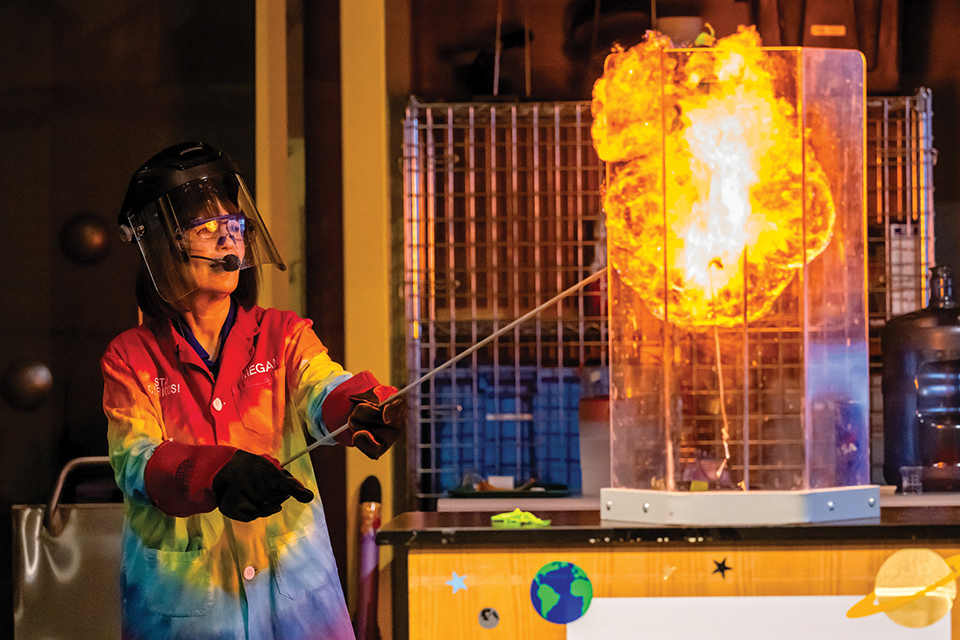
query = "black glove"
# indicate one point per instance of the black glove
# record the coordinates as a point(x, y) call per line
point(249, 486)
point(375, 428)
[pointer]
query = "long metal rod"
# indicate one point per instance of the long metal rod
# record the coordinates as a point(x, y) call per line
point(454, 360)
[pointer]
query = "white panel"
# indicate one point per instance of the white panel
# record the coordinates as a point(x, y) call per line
point(744, 618)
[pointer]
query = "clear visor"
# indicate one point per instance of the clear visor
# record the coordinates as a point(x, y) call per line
point(201, 231)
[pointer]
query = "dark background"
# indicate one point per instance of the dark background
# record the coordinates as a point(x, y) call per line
point(91, 88)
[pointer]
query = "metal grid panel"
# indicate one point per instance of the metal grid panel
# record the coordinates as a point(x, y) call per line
point(900, 237)
point(502, 211)
point(763, 386)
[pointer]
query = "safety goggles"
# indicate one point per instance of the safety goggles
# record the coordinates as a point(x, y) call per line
point(213, 228)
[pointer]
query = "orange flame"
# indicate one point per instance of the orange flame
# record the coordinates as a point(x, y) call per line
point(743, 190)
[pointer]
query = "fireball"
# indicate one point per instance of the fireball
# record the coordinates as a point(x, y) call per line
point(713, 188)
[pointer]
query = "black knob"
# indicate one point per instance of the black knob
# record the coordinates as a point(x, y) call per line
point(85, 238)
point(26, 384)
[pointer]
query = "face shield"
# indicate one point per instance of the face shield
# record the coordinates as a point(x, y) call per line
point(205, 229)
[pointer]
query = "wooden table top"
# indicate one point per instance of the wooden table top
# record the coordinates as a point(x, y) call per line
point(584, 527)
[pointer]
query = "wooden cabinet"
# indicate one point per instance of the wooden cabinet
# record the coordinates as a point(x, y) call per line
point(454, 576)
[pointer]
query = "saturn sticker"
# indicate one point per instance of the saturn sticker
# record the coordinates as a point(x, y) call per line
point(914, 588)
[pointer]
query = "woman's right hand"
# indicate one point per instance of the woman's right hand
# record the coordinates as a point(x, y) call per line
point(249, 486)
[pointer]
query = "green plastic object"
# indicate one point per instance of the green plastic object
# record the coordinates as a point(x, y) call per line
point(517, 519)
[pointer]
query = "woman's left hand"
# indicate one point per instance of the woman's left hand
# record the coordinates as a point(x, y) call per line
point(374, 427)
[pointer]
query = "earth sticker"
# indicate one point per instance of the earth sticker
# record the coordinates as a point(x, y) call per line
point(561, 592)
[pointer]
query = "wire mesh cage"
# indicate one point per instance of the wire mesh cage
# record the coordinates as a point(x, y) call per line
point(502, 212)
point(900, 229)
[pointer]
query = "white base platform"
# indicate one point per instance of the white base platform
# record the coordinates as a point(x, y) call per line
point(739, 507)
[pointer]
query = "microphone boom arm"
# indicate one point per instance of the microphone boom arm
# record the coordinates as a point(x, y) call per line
point(229, 262)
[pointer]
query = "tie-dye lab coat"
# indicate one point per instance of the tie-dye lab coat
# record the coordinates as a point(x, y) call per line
point(205, 576)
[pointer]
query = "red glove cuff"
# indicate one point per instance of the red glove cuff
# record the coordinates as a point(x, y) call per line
point(384, 391)
point(337, 406)
point(179, 477)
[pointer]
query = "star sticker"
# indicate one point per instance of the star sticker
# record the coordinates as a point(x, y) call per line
point(722, 568)
point(457, 582)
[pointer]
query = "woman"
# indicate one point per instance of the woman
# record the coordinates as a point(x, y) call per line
point(202, 401)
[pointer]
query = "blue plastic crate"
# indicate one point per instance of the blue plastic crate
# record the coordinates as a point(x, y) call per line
point(522, 423)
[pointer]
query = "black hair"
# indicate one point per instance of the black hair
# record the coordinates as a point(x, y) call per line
point(153, 306)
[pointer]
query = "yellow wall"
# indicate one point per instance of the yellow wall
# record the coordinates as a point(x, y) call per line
point(366, 231)
point(271, 145)
point(366, 209)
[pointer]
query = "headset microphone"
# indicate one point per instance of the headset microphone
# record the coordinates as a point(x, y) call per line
point(229, 262)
